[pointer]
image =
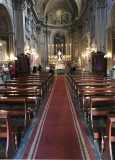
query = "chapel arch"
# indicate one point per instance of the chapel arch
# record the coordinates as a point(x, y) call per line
point(6, 35)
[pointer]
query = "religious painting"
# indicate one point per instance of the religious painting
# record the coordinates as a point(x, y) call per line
point(59, 43)
point(59, 16)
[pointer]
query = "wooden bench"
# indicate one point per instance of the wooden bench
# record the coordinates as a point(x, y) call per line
point(76, 82)
point(31, 94)
point(6, 131)
point(78, 79)
point(81, 86)
point(50, 76)
point(20, 128)
point(17, 100)
point(45, 81)
point(108, 136)
point(87, 93)
point(100, 110)
point(25, 85)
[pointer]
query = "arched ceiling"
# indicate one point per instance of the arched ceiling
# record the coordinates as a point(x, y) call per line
point(5, 21)
point(44, 7)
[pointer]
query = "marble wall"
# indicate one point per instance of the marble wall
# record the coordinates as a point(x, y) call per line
point(97, 27)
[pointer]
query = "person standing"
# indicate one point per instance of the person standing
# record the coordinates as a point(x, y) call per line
point(12, 72)
point(34, 69)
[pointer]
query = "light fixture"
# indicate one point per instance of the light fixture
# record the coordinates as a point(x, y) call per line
point(109, 55)
point(11, 57)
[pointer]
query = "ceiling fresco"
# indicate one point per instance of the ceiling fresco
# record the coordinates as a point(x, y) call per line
point(58, 11)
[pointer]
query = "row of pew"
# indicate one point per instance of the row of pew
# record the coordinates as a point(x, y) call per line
point(20, 99)
point(96, 97)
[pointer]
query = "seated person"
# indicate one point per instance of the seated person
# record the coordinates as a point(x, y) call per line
point(39, 68)
point(51, 70)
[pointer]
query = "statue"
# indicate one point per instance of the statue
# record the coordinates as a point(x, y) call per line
point(59, 54)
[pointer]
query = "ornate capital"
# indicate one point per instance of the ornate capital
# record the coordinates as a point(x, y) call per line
point(19, 4)
point(101, 3)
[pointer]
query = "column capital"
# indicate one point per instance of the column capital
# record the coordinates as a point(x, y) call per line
point(19, 4)
point(101, 3)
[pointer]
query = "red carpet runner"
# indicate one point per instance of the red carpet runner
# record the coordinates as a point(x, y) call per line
point(59, 133)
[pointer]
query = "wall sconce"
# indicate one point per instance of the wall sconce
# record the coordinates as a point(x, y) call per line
point(27, 49)
point(109, 55)
point(15, 58)
point(11, 57)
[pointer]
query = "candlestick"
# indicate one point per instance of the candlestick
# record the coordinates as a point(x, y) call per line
point(62, 48)
point(56, 48)
point(66, 49)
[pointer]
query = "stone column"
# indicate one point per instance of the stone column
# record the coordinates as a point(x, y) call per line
point(100, 25)
point(19, 20)
point(109, 61)
point(11, 49)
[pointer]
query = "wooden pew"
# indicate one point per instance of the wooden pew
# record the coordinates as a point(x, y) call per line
point(76, 82)
point(7, 132)
point(45, 84)
point(108, 136)
point(31, 94)
point(17, 100)
point(48, 78)
point(81, 86)
point(87, 93)
point(103, 106)
point(25, 85)
point(18, 92)
point(73, 79)
point(6, 103)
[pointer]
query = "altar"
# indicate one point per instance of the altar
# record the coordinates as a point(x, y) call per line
point(60, 62)
point(60, 68)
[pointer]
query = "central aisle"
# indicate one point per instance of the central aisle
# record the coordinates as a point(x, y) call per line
point(59, 134)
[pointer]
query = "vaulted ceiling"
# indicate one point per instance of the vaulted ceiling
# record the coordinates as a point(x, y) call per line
point(46, 6)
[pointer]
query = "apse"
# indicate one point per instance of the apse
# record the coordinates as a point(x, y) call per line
point(59, 11)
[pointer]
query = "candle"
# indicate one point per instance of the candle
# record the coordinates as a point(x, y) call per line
point(66, 48)
point(52, 49)
point(62, 48)
point(48, 49)
point(70, 49)
point(56, 48)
